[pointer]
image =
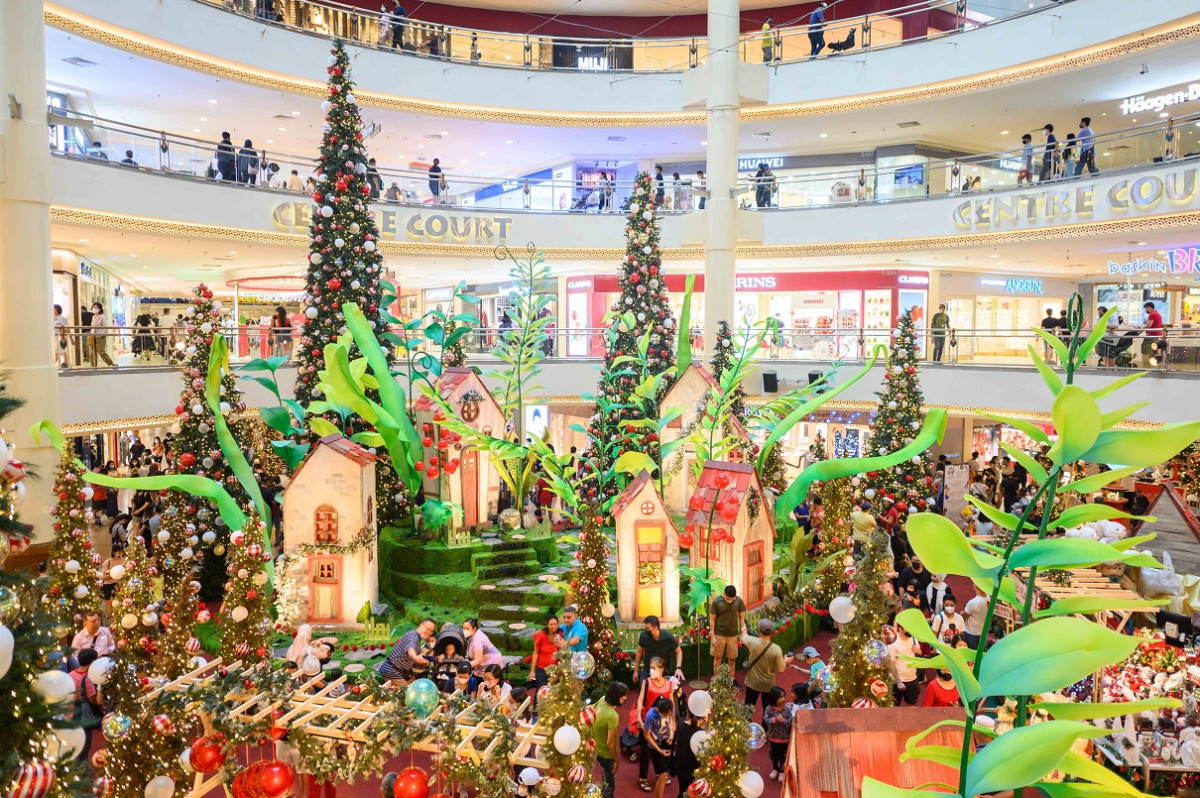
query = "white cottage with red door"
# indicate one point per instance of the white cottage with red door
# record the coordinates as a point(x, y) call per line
point(474, 484)
point(329, 515)
point(742, 557)
point(647, 554)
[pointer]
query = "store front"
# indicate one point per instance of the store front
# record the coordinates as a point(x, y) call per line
point(992, 314)
point(811, 306)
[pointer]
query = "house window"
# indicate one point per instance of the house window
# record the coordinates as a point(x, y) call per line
point(326, 572)
point(326, 524)
point(702, 550)
point(647, 508)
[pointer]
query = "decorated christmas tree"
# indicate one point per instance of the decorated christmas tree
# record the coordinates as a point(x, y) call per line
point(141, 745)
point(724, 757)
point(722, 361)
point(13, 533)
point(35, 699)
point(244, 623)
point(454, 355)
point(833, 534)
point(644, 297)
point(859, 654)
point(344, 259)
point(74, 568)
point(563, 713)
point(178, 537)
point(590, 582)
point(896, 423)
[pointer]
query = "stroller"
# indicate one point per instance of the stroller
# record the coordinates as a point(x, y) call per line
point(845, 44)
point(448, 651)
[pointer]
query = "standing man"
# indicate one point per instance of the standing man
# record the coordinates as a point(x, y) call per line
point(660, 189)
point(60, 337)
point(727, 620)
point(975, 613)
point(939, 324)
point(701, 188)
point(1087, 148)
point(435, 180)
point(374, 180)
point(94, 636)
point(766, 663)
point(226, 157)
point(654, 642)
point(816, 29)
point(606, 734)
point(1050, 325)
point(1153, 348)
point(768, 42)
point(398, 21)
point(575, 633)
point(1049, 153)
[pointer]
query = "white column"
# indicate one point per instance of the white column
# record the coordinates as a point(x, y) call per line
point(720, 251)
point(26, 297)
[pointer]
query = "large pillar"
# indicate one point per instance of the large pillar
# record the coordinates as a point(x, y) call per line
point(720, 250)
point(26, 297)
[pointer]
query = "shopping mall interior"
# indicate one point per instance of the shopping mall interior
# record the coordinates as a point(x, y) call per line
point(340, 340)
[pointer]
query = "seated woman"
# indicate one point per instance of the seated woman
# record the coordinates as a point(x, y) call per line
point(495, 690)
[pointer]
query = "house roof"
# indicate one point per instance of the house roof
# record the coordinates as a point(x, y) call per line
point(703, 373)
point(1178, 531)
point(447, 384)
point(741, 477)
point(348, 449)
point(630, 493)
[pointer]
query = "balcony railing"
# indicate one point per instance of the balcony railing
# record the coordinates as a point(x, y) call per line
point(1176, 350)
point(607, 51)
point(1162, 140)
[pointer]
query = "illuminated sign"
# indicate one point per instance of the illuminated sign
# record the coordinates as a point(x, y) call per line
point(1179, 261)
point(439, 294)
point(1157, 102)
point(912, 279)
point(417, 225)
point(1120, 197)
point(583, 284)
point(751, 164)
point(1014, 285)
point(750, 283)
point(85, 270)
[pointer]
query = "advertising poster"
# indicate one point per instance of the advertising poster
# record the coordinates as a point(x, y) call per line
point(958, 481)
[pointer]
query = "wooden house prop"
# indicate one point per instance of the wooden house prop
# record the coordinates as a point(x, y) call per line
point(1176, 526)
point(833, 750)
point(745, 563)
point(329, 516)
point(474, 484)
point(647, 554)
point(688, 393)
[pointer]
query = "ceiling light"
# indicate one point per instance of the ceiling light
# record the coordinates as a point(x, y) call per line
point(195, 130)
point(482, 154)
point(295, 113)
point(462, 161)
point(994, 256)
point(508, 141)
point(204, 119)
point(1003, 132)
point(79, 62)
point(1163, 115)
point(704, 144)
point(824, 135)
point(283, 129)
point(270, 141)
point(214, 102)
point(444, 133)
point(133, 256)
point(83, 241)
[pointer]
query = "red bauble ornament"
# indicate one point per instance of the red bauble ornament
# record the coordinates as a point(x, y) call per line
point(717, 762)
point(33, 780)
point(208, 753)
point(335, 284)
point(275, 779)
point(411, 782)
point(187, 459)
point(901, 507)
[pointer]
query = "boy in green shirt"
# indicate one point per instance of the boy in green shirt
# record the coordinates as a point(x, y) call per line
point(606, 734)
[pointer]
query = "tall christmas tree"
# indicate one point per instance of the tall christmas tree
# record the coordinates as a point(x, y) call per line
point(13, 532)
point(591, 584)
point(244, 623)
point(724, 759)
point(563, 712)
point(859, 655)
point(644, 297)
point(833, 534)
point(141, 744)
point(344, 259)
point(178, 536)
point(74, 576)
point(722, 362)
point(896, 423)
point(454, 355)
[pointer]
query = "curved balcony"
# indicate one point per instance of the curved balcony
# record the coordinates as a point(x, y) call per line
point(657, 87)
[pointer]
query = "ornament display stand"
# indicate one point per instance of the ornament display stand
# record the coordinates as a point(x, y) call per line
point(1084, 582)
point(350, 720)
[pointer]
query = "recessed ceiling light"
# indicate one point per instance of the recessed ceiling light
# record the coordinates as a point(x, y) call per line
point(283, 129)
point(233, 252)
point(270, 141)
point(83, 241)
point(462, 161)
point(1003, 132)
point(508, 141)
point(132, 255)
point(195, 130)
point(704, 144)
point(824, 135)
point(993, 256)
point(295, 113)
point(420, 146)
point(214, 102)
point(145, 268)
point(204, 119)
point(444, 133)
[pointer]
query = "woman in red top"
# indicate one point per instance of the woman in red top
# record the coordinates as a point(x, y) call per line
point(545, 650)
point(941, 692)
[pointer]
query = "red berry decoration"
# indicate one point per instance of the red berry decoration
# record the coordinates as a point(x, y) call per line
point(686, 540)
point(722, 481)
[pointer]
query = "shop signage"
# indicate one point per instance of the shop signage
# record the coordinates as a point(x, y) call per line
point(1014, 285)
point(416, 224)
point(1157, 102)
point(753, 283)
point(581, 284)
point(751, 164)
point(1179, 261)
point(912, 279)
point(85, 270)
point(439, 294)
point(1117, 198)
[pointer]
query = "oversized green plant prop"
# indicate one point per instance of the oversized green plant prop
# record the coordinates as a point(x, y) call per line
point(1051, 650)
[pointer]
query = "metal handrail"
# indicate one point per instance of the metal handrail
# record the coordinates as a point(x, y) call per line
point(609, 51)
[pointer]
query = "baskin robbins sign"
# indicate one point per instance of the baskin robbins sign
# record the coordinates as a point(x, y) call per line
point(1178, 261)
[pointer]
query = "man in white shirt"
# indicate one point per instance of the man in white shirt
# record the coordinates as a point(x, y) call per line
point(976, 613)
point(974, 463)
point(60, 338)
point(93, 635)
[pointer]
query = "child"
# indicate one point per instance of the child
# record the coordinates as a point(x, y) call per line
point(777, 722)
point(462, 680)
point(659, 730)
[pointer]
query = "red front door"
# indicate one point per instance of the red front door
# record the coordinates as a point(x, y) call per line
point(470, 487)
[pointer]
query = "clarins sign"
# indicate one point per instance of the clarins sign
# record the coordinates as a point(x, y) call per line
point(1117, 198)
point(415, 224)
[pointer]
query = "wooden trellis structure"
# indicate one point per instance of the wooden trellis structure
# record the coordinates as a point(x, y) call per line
point(350, 719)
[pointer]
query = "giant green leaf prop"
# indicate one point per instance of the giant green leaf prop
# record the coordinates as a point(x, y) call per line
point(931, 432)
point(683, 345)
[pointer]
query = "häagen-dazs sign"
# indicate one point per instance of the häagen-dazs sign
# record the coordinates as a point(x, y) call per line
point(1053, 203)
point(411, 224)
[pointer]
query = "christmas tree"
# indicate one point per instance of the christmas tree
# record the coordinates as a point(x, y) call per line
point(454, 355)
point(590, 583)
point(244, 623)
point(724, 758)
point(896, 423)
point(859, 655)
point(344, 259)
point(74, 574)
point(13, 532)
point(33, 726)
point(568, 720)
point(176, 546)
point(721, 362)
point(644, 296)
point(141, 744)
point(833, 533)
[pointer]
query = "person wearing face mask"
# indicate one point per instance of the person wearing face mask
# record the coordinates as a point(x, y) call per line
point(653, 688)
point(941, 692)
point(480, 649)
point(936, 592)
point(99, 336)
point(948, 623)
point(907, 678)
point(913, 598)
